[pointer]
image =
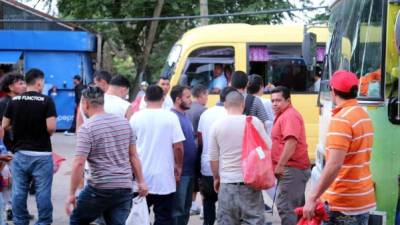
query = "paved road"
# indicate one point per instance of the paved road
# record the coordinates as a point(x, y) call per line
point(64, 145)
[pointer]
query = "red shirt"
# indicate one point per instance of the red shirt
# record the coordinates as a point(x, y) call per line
point(287, 124)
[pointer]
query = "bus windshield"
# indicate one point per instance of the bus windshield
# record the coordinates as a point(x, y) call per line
point(355, 44)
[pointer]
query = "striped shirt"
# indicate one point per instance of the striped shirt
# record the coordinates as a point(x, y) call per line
point(257, 109)
point(104, 139)
point(351, 131)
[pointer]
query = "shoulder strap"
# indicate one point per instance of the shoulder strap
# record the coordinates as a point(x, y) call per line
point(248, 103)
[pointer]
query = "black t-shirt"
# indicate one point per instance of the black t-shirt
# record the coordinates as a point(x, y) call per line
point(28, 113)
point(7, 135)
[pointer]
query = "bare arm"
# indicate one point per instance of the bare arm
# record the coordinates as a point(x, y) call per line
point(76, 178)
point(137, 170)
point(178, 157)
point(6, 123)
point(329, 174)
point(288, 150)
point(51, 125)
point(215, 172)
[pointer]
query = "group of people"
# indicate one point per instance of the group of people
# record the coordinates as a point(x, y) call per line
point(173, 146)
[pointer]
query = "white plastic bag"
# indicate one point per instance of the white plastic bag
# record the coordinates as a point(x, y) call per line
point(139, 214)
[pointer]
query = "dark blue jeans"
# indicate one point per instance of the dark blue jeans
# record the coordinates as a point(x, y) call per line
point(338, 218)
point(26, 168)
point(210, 197)
point(182, 201)
point(113, 204)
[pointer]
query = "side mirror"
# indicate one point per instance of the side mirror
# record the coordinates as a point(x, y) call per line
point(309, 49)
point(397, 32)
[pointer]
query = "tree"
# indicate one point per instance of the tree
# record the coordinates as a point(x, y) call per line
point(148, 42)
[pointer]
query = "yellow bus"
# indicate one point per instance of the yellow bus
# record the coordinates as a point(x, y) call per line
point(272, 51)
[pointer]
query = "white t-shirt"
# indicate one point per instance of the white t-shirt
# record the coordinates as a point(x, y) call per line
point(156, 130)
point(167, 104)
point(115, 105)
point(208, 118)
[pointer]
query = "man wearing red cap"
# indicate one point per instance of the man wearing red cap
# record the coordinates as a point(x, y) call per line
point(345, 182)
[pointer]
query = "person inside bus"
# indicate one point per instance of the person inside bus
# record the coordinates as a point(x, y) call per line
point(218, 79)
point(370, 83)
point(228, 73)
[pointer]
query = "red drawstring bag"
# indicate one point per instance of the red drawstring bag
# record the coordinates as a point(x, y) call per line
point(256, 159)
point(320, 215)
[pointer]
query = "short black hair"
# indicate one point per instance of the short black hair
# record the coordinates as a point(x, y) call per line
point(177, 91)
point(154, 93)
point(77, 77)
point(282, 89)
point(255, 84)
point(239, 80)
point(120, 81)
point(94, 95)
point(102, 75)
point(347, 95)
point(9, 79)
point(199, 90)
point(33, 75)
point(225, 92)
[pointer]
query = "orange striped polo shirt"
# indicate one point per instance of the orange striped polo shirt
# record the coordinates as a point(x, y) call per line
point(351, 130)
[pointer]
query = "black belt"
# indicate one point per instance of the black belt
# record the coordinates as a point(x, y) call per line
point(237, 183)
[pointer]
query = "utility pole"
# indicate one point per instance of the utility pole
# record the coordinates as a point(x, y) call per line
point(204, 11)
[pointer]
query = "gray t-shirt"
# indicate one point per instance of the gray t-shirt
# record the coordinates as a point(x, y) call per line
point(194, 114)
point(105, 139)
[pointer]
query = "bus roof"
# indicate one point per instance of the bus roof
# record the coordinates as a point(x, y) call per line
point(234, 33)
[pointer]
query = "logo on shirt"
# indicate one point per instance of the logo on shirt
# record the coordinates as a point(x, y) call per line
point(29, 98)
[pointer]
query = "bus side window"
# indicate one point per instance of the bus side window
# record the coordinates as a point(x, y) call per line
point(202, 63)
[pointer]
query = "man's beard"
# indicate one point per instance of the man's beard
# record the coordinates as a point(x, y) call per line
point(184, 106)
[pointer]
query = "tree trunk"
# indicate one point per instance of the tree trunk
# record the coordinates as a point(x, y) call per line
point(150, 39)
point(204, 11)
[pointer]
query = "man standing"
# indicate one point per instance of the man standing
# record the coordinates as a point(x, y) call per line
point(345, 182)
point(102, 79)
point(237, 202)
point(159, 144)
point(181, 97)
point(207, 119)
point(12, 84)
point(253, 106)
point(78, 87)
point(167, 103)
point(200, 97)
point(114, 98)
point(106, 141)
point(32, 146)
point(289, 155)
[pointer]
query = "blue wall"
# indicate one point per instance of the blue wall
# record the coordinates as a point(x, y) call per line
point(60, 55)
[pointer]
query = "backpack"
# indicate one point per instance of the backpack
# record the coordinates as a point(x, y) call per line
point(248, 103)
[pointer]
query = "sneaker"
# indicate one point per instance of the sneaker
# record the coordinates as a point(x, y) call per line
point(201, 213)
point(67, 133)
point(195, 209)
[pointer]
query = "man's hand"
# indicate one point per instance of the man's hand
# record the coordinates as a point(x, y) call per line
point(143, 189)
point(6, 158)
point(70, 204)
point(309, 207)
point(216, 184)
point(279, 170)
point(178, 173)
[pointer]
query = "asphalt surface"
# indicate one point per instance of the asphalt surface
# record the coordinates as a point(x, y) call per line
point(65, 145)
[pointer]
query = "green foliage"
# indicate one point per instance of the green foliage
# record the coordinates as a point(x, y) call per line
point(131, 37)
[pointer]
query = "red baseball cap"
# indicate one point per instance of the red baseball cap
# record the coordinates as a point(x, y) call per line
point(343, 80)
